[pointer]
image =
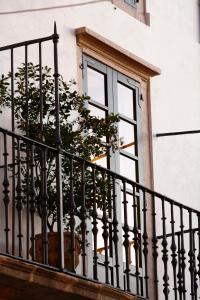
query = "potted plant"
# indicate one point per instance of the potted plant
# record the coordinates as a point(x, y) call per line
point(82, 134)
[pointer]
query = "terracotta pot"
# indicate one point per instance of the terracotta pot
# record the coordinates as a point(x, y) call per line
point(53, 252)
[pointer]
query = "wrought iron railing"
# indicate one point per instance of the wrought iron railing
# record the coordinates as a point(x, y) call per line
point(66, 213)
point(126, 235)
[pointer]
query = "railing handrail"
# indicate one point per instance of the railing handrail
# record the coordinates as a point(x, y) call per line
point(179, 233)
point(27, 139)
point(28, 42)
point(100, 168)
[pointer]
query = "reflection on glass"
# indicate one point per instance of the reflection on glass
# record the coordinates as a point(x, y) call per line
point(126, 132)
point(131, 252)
point(96, 85)
point(125, 101)
point(99, 113)
point(102, 161)
point(127, 167)
point(96, 112)
point(100, 240)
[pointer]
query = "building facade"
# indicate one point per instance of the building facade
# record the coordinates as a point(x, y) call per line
point(139, 59)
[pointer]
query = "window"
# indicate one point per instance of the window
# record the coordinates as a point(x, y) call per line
point(116, 79)
point(135, 8)
point(111, 91)
point(113, 72)
point(131, 2)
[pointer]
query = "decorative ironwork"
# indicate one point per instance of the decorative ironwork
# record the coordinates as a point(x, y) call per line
point(32, 201)
point(83, 219)
point(155, 247)
point(145, 242)
point(105, 233)
point(126, 235)
point(6, 192)
point(95, 225)
point(191, 256)
point(72, 221)
point(173, 250)
point(115, 231)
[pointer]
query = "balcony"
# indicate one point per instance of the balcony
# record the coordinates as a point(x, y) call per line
point(75, 230)
point(155, 243)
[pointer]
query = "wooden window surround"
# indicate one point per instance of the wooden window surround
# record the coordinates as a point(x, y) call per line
point(139, 11)
point(127, 63)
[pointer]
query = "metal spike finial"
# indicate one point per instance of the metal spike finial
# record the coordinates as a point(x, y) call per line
point(55, 28)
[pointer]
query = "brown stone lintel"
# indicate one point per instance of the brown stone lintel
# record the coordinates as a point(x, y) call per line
point(89, 41)
point(21, 280)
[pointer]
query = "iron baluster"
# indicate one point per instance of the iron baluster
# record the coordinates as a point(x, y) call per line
point(105, 233)
point(145, 242)
point(182, 252)
point(27, 192)
point(44, 208)
point(26, 90)
point(181, 255)
point(155, 247)
point(195, 267)
point(13, 151)
point(27, 151)
point(115, 231)
point(179, 275)
point(32, 202)
point(40, 87)
point(56, 81)
point(165, 253)
point(198, 256)
point(6, 192)
point(191, 256)
point(72, 206)
point(58, 155)
point(173, 250)
point(12, 90)
point(83, 219)
point(19, 203)
point(126, 238)
point(95, 225)
point(136, 243)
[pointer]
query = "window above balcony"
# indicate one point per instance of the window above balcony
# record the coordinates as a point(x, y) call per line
point(135, 8)
point(112, 57)
point(131, 2)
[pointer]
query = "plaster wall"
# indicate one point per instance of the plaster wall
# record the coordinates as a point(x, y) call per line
point(171, 43)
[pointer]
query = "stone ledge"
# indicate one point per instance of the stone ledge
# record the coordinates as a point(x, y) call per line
point(20, 280)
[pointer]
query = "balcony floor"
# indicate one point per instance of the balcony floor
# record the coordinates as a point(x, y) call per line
point(20, 280)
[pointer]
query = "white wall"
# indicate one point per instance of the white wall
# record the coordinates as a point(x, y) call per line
point(171, 43)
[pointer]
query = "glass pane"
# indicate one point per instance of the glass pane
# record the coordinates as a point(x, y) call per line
point(126, 133)
point(99, 113)
point(96, 85)
point(101, 161)
point(96, 112)
point(100, 240)
point(127, 167)
point(130, 2)
point(131, 252)
point(125, 100)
